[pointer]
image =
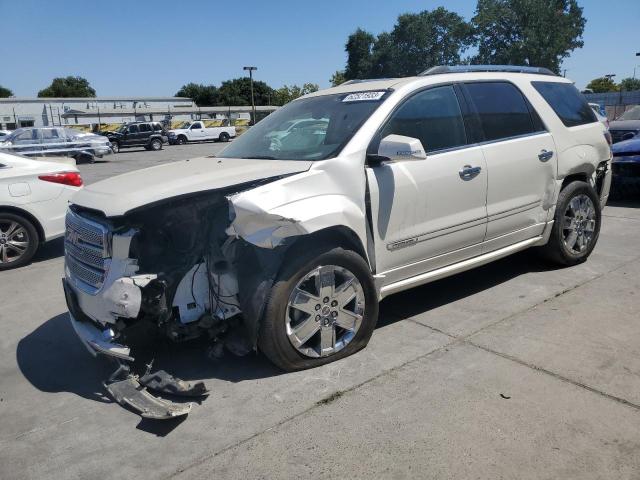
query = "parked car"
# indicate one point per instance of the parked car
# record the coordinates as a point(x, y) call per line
point(56, 142)
point(600, 114)
point(626, 126)
point(626, 168)
point(33, 202)
point(150, 135)
point(198, 131)
point(289, 247)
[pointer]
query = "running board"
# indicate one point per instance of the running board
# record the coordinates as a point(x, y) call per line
point(459, 267)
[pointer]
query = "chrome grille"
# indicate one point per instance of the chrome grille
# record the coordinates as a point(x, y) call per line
point(86, 246)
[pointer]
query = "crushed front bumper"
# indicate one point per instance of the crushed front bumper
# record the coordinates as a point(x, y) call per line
point(96, 340)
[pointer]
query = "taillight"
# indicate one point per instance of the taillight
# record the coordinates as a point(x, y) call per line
point(73, 179)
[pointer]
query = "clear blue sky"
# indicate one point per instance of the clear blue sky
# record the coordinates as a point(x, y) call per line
point(146, 47)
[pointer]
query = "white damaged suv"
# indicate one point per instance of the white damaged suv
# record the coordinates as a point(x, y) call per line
point(288, 239)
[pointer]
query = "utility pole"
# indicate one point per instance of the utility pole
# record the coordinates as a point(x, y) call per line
point(253, 103)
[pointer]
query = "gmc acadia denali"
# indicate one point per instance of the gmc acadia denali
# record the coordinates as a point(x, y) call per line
point(287, 240)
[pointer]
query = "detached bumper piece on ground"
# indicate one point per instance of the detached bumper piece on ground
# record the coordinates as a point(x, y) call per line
point(126, 388)
point(133, 392)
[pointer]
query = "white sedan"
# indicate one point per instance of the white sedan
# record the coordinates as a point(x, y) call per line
point(33, 202)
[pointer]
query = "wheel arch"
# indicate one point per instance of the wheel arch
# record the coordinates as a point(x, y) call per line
point(29, 216)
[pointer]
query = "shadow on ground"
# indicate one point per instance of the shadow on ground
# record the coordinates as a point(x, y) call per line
point(50, 250)
point(52, 358)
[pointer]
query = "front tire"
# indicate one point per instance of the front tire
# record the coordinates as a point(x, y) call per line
point(576, 227)
point(224, 137)
point(18, 241)
point(322, 307)
point(182, 140)
point(115, 146)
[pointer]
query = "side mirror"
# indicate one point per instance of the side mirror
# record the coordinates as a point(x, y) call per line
point(398, 148)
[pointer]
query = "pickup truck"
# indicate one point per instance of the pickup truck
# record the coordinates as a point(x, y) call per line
point(200, 130)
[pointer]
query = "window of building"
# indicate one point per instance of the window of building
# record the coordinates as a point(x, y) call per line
point(568, 103)
point(432, 116)
point(502, 109)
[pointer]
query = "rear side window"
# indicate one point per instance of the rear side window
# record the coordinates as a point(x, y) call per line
point(145, 127)
point(157, 127)
point(567, 102)
point(502, 109)
point(432, 116)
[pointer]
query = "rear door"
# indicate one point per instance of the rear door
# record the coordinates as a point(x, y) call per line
point(521, 161)
point(145, 132)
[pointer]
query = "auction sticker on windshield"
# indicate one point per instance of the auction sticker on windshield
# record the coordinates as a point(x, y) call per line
point(363, 96)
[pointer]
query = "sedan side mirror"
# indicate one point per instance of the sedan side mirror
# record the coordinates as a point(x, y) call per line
point(398, 148)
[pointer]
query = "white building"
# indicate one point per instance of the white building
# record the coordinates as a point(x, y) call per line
point(91, 112)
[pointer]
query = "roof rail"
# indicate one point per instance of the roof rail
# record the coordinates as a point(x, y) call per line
point(486, 68)
point(363, 80)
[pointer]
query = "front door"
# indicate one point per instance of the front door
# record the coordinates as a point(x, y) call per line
point(428, 213)
point(521, 159)
point(197, 131)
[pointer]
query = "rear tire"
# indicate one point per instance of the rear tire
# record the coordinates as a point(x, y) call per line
point(224, 137)
point(278, 330)
point(576, 225)
point(19, 241)
point(155, 144)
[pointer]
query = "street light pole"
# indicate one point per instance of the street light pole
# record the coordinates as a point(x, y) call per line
point(253, 103)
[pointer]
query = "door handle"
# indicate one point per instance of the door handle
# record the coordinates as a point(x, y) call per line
point(468, 172)
point(545, 155)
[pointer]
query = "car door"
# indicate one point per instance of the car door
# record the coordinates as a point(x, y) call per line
point(145, 132)
point(26, 142)
point(428, 213)
point(131, 137)
point(521, 160)
point(197, 131)
point(53, 142)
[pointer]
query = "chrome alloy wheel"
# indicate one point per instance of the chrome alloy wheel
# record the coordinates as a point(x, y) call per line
point(579, 223)
point(325, 311)
point(14, 241)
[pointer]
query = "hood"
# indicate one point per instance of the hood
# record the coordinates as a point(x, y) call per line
point(624, 125)
point(118, 195)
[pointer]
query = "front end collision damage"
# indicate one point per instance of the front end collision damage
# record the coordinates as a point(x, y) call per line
point(199, 265)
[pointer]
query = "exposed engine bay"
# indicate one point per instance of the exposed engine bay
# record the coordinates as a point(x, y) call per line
point(175, 267)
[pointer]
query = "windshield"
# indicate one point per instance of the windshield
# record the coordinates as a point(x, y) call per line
point(122, 128)
point(631, 114)
point(308, 129)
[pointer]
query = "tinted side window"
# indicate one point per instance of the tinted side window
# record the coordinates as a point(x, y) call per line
point(145, 127)
point(196, 125)
point(502, 109)
point(567, 102)
point(157, 127)
point(432, 116)
point(133, 128)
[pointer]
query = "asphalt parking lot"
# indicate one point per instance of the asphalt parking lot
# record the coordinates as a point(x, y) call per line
point(513, 370)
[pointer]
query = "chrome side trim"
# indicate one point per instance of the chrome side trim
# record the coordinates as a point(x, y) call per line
point(514, 211)
point(455, 268)
point(411, 241)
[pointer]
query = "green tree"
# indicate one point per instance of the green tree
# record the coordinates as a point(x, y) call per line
point(602, 85)
point(337, 78)
point(68, 87)
point(627, 84)
point(238, 92)
point(527, 32)
point(203, 95)
point(418, 41)
point(359, 49)
point(5, 92)
point(288, 93)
